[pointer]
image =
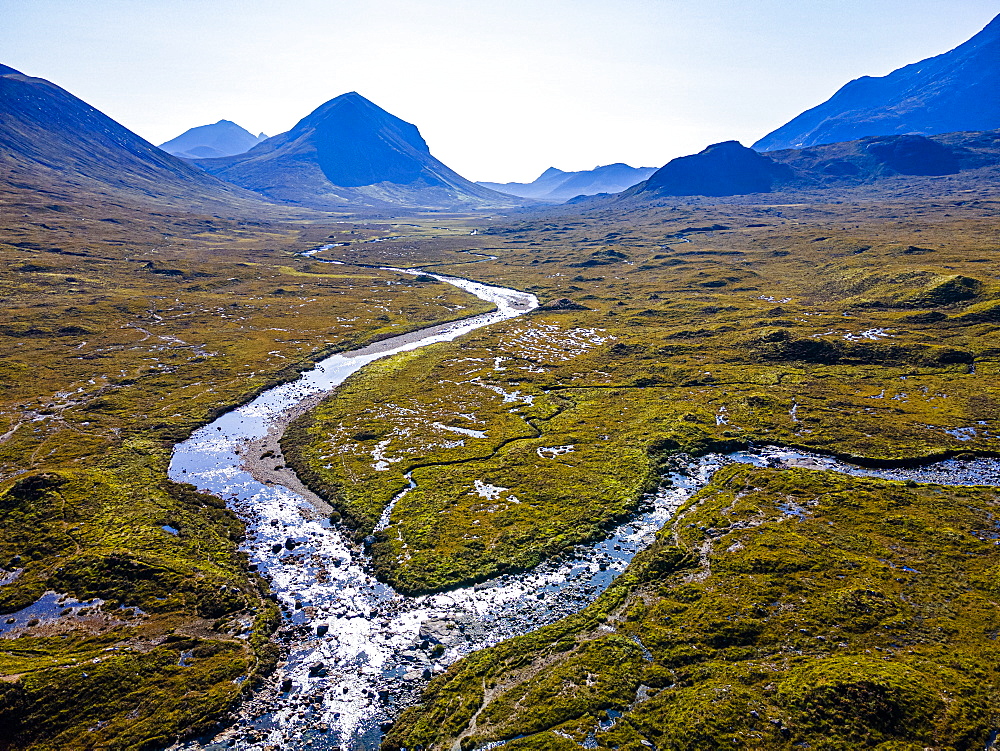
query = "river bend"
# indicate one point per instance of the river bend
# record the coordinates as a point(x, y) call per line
point(355, 651)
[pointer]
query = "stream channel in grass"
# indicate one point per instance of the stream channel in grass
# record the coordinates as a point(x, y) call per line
point(355, 652)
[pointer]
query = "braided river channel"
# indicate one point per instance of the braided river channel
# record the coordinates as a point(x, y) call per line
point(354, 651)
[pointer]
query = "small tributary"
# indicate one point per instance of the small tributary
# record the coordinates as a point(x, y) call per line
point(355, 651)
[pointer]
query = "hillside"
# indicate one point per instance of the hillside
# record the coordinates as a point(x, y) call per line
point(51, 140)
point(723, 169)
point(956, 91)
point(350, 153)
point(879, 157)
point(730, 169)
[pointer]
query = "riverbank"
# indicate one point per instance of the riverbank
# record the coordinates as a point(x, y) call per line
point(357, 654)
point(781, 607)
point(132, 615)
point(314, 570)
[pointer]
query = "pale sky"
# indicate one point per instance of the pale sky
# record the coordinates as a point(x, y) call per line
point(500, 89)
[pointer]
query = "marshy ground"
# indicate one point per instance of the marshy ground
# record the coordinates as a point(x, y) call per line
point(123, 331)
point(866, 329)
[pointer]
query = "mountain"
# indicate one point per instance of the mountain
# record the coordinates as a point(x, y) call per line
point(723, 169)
point(877, 157)
point(556, 185)
point(548, 181)
point(224, 138)
point(956, 91)
point(50, 139)
point(730, 169)
point(350, 153)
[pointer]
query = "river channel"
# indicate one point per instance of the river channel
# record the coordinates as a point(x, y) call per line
point(355, 652)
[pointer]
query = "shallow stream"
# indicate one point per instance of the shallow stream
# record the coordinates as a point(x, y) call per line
point(358, 652)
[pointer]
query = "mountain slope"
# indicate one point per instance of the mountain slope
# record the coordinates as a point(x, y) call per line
point(878, 157)
point(723, 169)
point(611, 178)
point(546, 182)
point(224, 138)
point(730, 169)
point(350, 153)
point(956, 91)
point(556, 185)
point(50, 138)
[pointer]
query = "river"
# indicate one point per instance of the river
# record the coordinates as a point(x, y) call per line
point(355, 652)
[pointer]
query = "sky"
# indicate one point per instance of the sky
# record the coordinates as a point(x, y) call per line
point(500, 89)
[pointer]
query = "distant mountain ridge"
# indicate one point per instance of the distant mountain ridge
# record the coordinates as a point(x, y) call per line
point(557, 186)
point(349, 153)
point(224, 138)
point(730, 169)
point(956, 91)
point(50, 138)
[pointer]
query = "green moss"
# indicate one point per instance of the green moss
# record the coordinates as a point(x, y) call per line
point(750, 331)
point(123, 700)
point(624, 391)
point(98, 382)
point(877, 632)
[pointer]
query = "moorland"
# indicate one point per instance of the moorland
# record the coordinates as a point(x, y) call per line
point(848, 304)
point(865, 329)
point(123, 330)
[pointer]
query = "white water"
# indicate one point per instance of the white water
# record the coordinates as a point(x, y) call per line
point(373, 656)
point(368, 624)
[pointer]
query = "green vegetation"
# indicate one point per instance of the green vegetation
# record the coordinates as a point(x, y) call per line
point(123, 331)
point(867, 330)
point(780, 608)
point(862, 329)
point(824, 327)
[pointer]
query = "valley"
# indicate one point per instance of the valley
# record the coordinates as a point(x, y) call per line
point(863, 330)
point(310, 442)
point(564, 410)
point(116, 347)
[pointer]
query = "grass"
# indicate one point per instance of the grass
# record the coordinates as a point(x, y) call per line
point(866, 329)
point(809, 326)
point(123, 330)
point(867, 621)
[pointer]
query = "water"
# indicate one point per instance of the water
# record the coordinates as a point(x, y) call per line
point(323, 581)
point(977, 471)
point(357, 651)
point(57, 613)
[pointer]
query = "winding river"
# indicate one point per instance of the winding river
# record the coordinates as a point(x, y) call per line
point(355, 651)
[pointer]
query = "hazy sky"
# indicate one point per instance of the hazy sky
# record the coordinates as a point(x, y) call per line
point(500, 89)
